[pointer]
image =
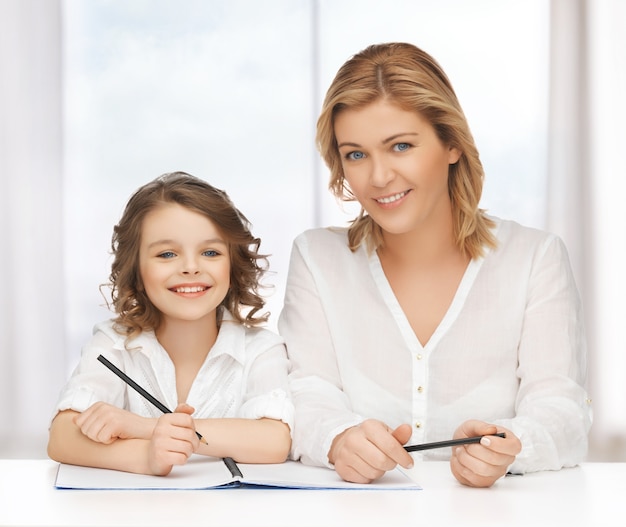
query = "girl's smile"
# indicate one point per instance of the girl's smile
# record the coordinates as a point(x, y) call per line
point(189, 290)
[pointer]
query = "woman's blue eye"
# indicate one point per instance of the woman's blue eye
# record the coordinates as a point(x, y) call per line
point(355, 156)
point(210, 252)
point(401, 147)
point(167, 254)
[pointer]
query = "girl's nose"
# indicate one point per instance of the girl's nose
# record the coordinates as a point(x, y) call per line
point(190, 266)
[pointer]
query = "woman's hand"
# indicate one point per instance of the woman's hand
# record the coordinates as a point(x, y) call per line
point(365, 452)
point(104, 423)
point(173, 441)
point(482, 464)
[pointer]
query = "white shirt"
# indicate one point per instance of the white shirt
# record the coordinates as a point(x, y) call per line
point(510, 349)
point(244, 375)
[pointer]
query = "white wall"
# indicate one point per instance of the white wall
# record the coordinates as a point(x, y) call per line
point(229, 91)
point(31, 195)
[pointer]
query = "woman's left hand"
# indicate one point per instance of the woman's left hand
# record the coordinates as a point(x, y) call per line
point(482, 464)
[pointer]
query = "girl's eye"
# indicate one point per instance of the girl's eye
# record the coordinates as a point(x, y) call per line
point(167, 254)
point(210, 253)
point(401, 147)
point(355, 156)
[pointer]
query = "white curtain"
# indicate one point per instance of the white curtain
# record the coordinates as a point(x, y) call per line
point(606, 243)
point(31, 302)
point(586, 186)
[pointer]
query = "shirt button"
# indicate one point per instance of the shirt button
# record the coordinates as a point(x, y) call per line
point(420, 389)
point(419, 356)
point(418, 424)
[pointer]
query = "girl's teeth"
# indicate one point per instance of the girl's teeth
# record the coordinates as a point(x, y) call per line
point(189, 289)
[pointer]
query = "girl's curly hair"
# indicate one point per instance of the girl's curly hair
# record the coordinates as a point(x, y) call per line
point(135, 311)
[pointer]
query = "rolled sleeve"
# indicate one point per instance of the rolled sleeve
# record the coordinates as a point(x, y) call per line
point(266, 392)
point(91, 382)
point(275, 405)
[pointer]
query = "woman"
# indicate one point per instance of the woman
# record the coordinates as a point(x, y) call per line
point(427, 318)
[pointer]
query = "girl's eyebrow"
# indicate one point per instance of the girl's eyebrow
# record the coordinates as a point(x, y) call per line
point(384, 141)
point(210, 241)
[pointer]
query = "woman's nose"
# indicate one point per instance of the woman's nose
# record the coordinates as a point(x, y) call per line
point(381, 173)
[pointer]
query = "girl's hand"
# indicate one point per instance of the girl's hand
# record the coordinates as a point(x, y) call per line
point(365, 452)
point(104, 423)
point(173, 441)
point(482, 464)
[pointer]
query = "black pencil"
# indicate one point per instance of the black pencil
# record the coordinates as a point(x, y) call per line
point(451, 442)
point(140, 390)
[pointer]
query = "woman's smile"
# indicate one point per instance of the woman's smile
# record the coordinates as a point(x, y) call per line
point(388, 202)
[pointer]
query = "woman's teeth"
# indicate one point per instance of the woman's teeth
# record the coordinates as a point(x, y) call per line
point(391, 199)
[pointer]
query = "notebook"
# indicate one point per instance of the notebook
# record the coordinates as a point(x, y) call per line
point(202, 472)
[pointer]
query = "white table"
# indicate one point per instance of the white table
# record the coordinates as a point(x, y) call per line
point(591, 495)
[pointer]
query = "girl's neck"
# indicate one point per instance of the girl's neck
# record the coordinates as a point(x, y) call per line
point(188, 340)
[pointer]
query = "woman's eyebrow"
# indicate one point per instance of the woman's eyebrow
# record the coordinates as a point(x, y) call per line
point(396, 136)
point(384, 141)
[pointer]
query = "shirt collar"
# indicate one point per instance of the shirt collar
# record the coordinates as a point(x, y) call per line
point(230, 340)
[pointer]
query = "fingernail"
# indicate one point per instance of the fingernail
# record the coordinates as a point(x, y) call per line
point(485, 441)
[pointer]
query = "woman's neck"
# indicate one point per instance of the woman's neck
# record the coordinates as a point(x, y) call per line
point(429, 244)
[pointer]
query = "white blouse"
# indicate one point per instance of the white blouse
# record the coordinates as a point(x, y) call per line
point(510, 349)
point(244, 375)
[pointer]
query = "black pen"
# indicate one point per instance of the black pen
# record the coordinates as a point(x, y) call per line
point(140, 390)
point(451, 442)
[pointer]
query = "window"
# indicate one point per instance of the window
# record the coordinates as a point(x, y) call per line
point(229, 91)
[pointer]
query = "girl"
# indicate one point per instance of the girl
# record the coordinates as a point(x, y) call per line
point(426, 319)
point(184, 284)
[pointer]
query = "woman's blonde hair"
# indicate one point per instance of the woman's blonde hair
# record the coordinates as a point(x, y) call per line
point(135, 311)
point(407, 76)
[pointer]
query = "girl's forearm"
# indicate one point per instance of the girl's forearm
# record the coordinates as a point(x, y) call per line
point(245, 440)
point(67, 444)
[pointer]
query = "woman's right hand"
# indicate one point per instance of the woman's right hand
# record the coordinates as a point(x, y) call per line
point(365, 452)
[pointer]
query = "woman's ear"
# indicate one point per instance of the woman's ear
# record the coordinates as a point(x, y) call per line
point(454, 154)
